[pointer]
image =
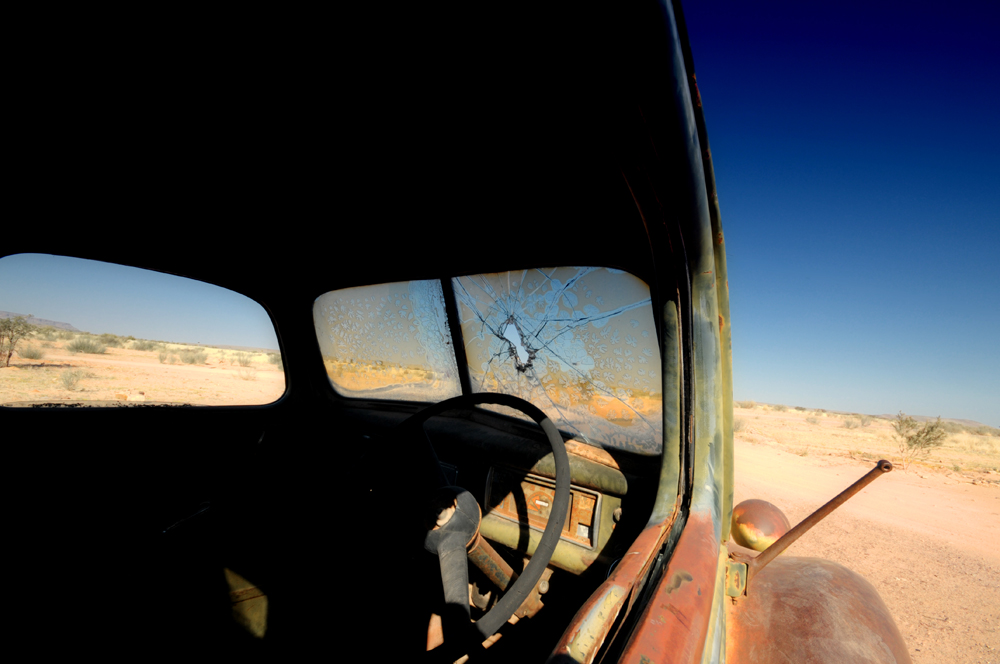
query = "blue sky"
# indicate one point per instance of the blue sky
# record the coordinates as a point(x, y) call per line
point(101, 297)
point(857, 156)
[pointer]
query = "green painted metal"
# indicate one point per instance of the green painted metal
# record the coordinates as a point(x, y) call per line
point(670, 469)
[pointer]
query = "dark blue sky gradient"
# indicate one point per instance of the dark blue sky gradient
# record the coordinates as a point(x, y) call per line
point(857, 157)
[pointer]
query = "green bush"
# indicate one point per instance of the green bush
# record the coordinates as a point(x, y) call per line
point(851, 423)
point(916, 441)
point(86, 345)
point(31, 353)
point(799, 408)
point(193, 356)
point(110, 340)
point(143, 344)
point(275, 358)
point(739, 424)
point(70, 379)
point(65, 335)
point(780, 408)
point(244, 359)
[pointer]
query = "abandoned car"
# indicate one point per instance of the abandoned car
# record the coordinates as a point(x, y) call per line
point(503, 428)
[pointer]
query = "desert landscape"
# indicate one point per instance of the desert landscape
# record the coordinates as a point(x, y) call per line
point(63, 366)
point(928, 538)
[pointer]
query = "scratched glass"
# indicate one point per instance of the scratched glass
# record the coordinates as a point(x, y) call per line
point(578, 342)
point(388, 341)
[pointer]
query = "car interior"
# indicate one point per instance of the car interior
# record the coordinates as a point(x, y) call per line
point(500, 198)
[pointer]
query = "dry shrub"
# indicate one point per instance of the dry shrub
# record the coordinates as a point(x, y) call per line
point(31, 353)
point(917, 441)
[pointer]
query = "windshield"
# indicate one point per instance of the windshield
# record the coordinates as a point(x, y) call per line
point(578, 342)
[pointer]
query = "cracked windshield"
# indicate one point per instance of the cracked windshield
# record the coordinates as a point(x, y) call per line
point(578, 342)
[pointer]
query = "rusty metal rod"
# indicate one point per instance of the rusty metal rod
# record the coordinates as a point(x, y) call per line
point(754, 565)
point(491, 564)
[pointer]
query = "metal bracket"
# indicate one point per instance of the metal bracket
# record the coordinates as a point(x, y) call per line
point(736, 578)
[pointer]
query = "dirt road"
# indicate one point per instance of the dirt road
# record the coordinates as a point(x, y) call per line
point(928, 541)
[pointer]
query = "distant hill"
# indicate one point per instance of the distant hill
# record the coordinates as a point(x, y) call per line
point(927, 418)
point(41, 322)
point(886, 416)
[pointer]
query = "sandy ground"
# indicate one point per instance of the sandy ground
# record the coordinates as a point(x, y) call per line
point(124, 374)
point(928, 540)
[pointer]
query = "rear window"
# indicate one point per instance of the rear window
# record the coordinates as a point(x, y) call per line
point(578, 342)
point(76, 331)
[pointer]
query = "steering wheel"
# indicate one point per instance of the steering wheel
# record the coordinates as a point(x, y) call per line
point(455, 517)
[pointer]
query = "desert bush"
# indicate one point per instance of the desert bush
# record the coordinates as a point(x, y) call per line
point(864, 420)
point(86, 345)
point(244, 359)
point(916, 441)
point(193, 356)
point(47, 333)
point(780, 408)
point(739, 424)
point(65, 335)
point(812, 420)
point(143, 344)
point(851, 423)
point(954, 427)
point(70, 379)
point(247, 373)
point(31, 353)
point(275, 359)
point(801, 408)
point(12, 331)
point(110, 340)
point(987, 431)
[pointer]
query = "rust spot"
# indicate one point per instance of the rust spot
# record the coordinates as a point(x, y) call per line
point(721, 322)
point(707, 272)
point(697, 93)
point(718, 237)
point(678, 580)
point(695, 555)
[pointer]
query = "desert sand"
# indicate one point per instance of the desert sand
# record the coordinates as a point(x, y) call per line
point(928, 538)
point(216, 377)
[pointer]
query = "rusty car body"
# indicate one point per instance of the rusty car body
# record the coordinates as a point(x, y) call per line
point(507, 149)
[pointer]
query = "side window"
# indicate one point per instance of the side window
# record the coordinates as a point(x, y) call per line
point(80, 331)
